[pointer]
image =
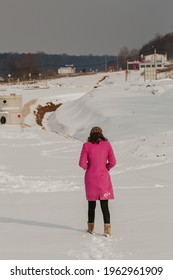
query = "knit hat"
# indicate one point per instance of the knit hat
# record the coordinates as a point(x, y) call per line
point(96, 129)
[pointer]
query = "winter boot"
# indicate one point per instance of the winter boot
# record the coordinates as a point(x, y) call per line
point(107, 230)
point(90, 228)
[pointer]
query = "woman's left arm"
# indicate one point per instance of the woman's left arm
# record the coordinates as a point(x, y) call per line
point(111, 158)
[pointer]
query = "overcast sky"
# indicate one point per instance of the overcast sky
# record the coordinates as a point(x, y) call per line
point(81, 27)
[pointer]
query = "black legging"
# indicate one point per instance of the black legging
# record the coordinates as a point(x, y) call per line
point(104, 208)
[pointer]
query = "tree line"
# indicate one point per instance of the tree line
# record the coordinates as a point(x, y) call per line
point(47, 65)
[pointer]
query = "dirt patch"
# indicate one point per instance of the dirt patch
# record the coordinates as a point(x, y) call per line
point(42, 110)
point(104, 78)
point(101, 80)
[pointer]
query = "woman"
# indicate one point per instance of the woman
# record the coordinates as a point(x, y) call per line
point(97, 158)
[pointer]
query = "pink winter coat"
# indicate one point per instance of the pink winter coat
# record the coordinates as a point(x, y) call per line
point(97, 160)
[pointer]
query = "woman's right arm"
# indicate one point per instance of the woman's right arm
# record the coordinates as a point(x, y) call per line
point(83, 161)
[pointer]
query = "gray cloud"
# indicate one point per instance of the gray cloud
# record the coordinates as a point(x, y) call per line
point(81, 26)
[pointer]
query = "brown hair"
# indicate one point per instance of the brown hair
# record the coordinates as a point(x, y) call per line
point(96, 135)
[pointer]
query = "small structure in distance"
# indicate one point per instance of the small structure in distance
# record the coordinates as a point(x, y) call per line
point(67, 70)
point(10, 109)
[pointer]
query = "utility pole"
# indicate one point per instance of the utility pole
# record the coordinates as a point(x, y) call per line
point(117, 63)
point(154, 52)
point(155, 57)
point(155, 64)
point(105, 64)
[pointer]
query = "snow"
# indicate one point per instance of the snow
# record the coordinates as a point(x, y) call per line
point(43, 210)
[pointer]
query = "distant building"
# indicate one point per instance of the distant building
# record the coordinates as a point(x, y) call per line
point(66, 70)
point(2, 79)
point(159, 61)
point(10, 109)
point(155, 60)
point(133, 65)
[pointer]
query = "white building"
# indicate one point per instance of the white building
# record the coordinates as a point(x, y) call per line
point(10, 109)
point(155, 60)
point(68, 69)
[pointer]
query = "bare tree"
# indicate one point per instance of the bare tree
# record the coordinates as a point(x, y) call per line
point(123, 55)
point(124, 52)
point(134, 54)
point(29, 64)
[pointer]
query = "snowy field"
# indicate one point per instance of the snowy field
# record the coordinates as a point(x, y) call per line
point(43, 210)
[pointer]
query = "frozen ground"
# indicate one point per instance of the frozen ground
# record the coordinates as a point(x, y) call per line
point(43, 211)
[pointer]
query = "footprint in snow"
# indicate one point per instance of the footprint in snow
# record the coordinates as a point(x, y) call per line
point(99, 247)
